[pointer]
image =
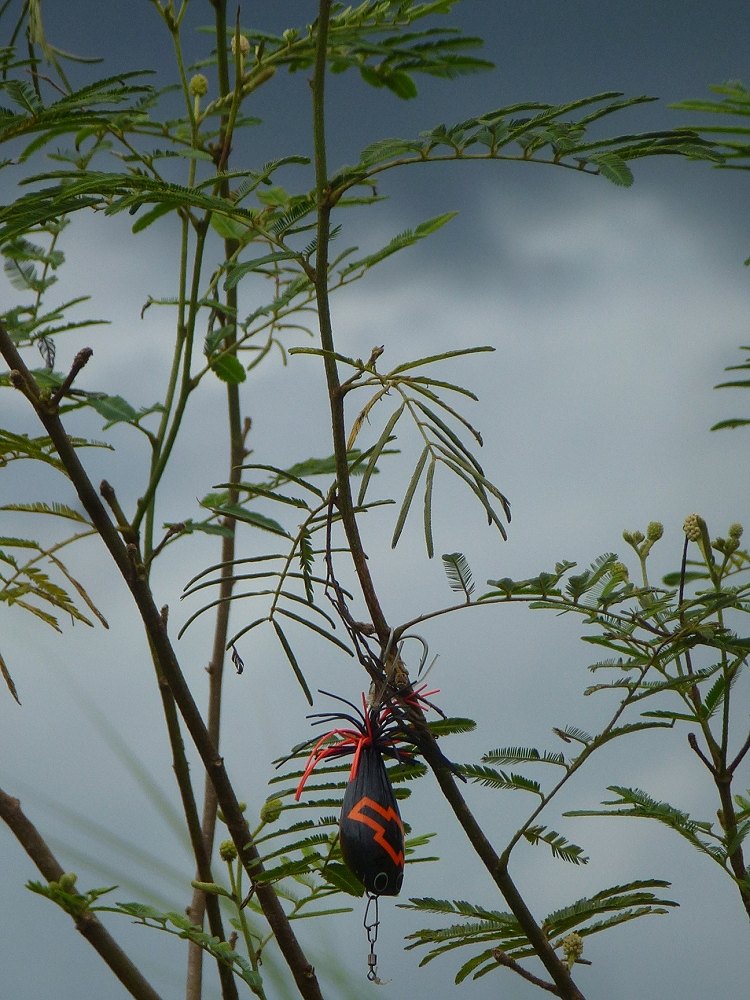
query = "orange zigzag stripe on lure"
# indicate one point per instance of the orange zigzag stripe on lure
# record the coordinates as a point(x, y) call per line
point(389, 815)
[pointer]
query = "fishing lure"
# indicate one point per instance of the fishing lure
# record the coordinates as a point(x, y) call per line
point(371, 831)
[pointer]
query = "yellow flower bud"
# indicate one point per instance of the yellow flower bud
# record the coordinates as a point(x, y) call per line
point(692, 526)
point(654, 531)
point(227, 850)
point(67, 881)
point(198, 86)
point(271, 810)
point(572, 947)
point(244, 46)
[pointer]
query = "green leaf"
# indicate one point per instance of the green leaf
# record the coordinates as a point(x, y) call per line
point(427, 508)
point(229, 229)
point(246, 516)
point(559, 846)
point(56, 509)
point(408, 497)
point(324, 633)
point(401, 84)
point(522, 755)
point(238, 271)
point(458, 571)
point(341, 878)
point(730, 424)
point(490, 777)
point(228, 368)
point(377, 450)
point(445, 356)
point(614, 169)
point(475, 963)
point(114, 409)
point(5, 674)
point(635, 803)
point(292, 660)
point(399, 242)
point(451, 725)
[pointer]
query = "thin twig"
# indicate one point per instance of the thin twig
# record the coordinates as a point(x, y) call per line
point(693, 743)
point(79, 361)
point(502, 958)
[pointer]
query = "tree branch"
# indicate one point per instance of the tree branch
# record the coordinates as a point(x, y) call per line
point(127, 560)
point(200, 899)
point(87, 923)
point(558, 971)
point(502, 958)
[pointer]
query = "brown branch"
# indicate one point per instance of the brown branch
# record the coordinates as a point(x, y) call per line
point(200, 899)
point(79, 361)
point(740, 756)
point(502, 958)
point(693, 743)
point(190, 809)
point(155, 628)
point(728, 818)
point(87, 923)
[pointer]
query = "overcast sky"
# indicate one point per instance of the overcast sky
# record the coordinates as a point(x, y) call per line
point(613, 313)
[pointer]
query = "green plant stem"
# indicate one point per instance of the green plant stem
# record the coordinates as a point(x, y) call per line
point(344, 498)
point(228, 542)
point(167, 440)
point(235, 884)
point(87, 923)
point(127, 560)
point(195, 832)
point(721, 771)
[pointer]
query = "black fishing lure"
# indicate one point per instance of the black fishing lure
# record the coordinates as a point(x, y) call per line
point(371, 832)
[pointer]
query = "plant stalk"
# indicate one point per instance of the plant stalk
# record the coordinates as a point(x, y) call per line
point(557, 969)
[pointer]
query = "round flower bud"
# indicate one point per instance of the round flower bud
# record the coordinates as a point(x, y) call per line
point(628, 537)
point(271, 810)
point(654, 531)
point(735, 531)
point(692, 526)
point(227, 850)
point(67, 881)
point(244, 46)
point(198, 86)
point(619, 571)
point(572, 947)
